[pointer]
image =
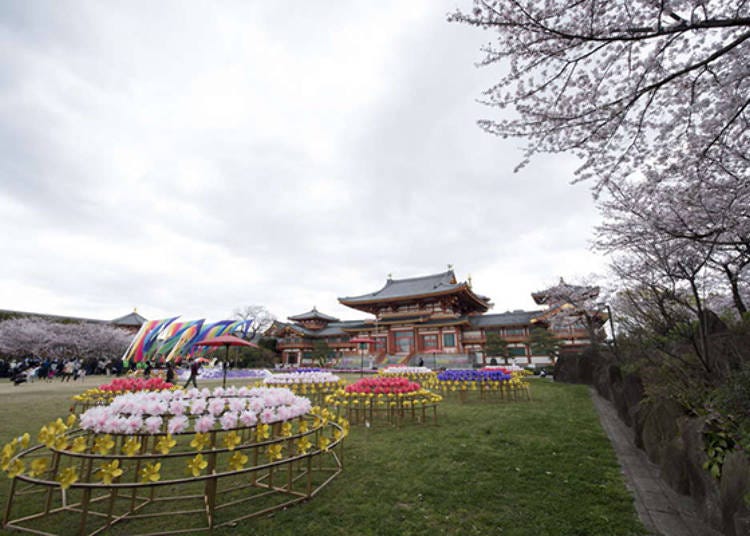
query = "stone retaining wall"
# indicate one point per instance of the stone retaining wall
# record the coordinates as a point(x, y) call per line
point(671, 439)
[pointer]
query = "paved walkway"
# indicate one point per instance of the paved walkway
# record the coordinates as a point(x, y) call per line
point(661, 510)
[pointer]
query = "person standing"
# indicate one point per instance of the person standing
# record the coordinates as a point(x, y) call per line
point(194, 367)
point(170, 372)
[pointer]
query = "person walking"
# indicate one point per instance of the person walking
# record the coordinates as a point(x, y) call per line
point(194, 367)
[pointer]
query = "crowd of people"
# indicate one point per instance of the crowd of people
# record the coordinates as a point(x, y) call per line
point(31, 369)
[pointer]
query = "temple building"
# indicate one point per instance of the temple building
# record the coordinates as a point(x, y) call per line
point(434, 320)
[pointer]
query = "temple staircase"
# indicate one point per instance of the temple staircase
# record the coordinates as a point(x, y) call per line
point(440, 361)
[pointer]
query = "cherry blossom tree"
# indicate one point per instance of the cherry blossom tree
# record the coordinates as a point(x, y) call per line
point(654, 97)
point(21, 337)
point(627, 86)
point(260, 316)
point(714, 221)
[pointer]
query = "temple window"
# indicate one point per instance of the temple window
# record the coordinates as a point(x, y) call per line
point(515, 331)
point(449, 339)
point(429, 342)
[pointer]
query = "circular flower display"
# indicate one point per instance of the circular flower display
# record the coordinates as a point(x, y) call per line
point(217, 373)
point(492, 380)
point(249, 440)
point(106, 392)
point(315, 384)
point(422, 375)
point(491, 375)
point(392, 399)
point(396, 385)
point(135, 384)
point(288, 378)
point(180, 411)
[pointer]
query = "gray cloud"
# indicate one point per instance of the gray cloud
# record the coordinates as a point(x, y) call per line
point(191, 158)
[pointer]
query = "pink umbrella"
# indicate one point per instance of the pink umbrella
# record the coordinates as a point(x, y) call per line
point(226, 341)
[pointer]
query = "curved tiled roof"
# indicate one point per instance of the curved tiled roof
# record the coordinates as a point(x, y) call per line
point(130, 319)
point(417, 287)
point(402, 288)
point(313, 314)
point(515, 318)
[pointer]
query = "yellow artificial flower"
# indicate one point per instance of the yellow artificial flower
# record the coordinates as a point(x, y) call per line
point(200, 441)
point(303, 426)
point(344, 425)
point(237, 461)
point(15, 468)
point(39, 467)
point(71, 420)
point(262, 431)
point(165, 444)
point(67, 477)
point(150, 473)
point(323, 443)
point(61, 442)
point(46, 436)
point(103, 444)
point(286, 429)
point(274, 451)
point(8, 451)
point(303, 445)
point(79, 444)
point(58, 427)
point(231, 440)
point(24, 440)
point(197, 464)
point(110, 471)
point(131, 446)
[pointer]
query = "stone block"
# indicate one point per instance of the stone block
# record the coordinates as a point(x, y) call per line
point(674, 466)
point(660, 427)
point(704, 489)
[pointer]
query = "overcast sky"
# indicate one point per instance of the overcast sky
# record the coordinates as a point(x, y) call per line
point(190, 158)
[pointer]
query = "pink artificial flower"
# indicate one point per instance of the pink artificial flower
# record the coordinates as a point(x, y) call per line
point(267, 415)
point(284, 413)
point(177, 424)
point(248, 418)
point(153, 424)
point(177, 407)
point(255, 405)
point(228, 420)
point(133, 424)
point(198, 406)
point(236, 404)
point(205, 423)
point(216, 406)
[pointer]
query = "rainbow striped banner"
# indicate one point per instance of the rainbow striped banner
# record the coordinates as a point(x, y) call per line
point(135, 350)
point(170, 339)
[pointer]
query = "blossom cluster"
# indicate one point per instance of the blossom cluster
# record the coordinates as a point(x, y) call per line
point(508, 369)
point(312, 376)
point(133, 385)
point(383, 385)
point(404, 371)
point(215, 373)
point(180, 411)
point(493, 375)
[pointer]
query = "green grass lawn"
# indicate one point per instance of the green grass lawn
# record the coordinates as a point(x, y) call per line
point(543, 467)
